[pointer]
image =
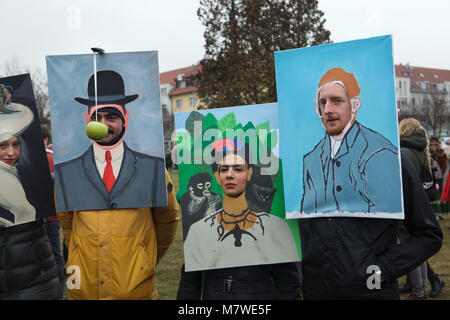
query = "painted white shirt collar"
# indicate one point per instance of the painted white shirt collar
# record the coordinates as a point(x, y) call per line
point(116, 161)
point(336, 141)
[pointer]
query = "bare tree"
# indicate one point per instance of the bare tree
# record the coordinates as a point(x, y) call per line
point(433, 111)
point(169, 124)
point(40, 85)
point(240, 39)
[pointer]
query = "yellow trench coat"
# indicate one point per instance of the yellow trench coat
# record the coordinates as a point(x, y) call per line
point(116, 251)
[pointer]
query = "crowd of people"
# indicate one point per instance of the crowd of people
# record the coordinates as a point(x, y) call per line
point(338, 245)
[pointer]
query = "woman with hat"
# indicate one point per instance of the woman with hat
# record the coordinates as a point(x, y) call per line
point(27, 266)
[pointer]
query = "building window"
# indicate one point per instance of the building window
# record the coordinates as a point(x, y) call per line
point(193, 101)
point(163, 92)
point(402, 102)
point(179, 103)
point(182, 84)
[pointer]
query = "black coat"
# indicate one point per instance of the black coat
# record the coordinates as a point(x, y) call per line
point(27, 266)
point(338, 251)
point(262, 282)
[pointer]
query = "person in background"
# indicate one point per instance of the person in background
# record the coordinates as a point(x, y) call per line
point(438, 154)
point(52, 226)
point(414, 143)
point(27, 266)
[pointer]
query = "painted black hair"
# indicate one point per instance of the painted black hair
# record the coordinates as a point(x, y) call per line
point(243, 152)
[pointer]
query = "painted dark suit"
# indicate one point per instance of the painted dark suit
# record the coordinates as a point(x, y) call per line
point(138, 183)
point(358, 179)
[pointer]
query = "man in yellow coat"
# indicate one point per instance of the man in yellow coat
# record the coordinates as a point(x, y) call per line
point(116, 251)
point(113, 253)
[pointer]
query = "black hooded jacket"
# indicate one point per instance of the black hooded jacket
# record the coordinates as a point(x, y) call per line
point(414, 146)
point(338, 251)
point(27, 266)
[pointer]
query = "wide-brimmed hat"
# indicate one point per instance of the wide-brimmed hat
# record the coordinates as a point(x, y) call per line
point(110, 90)
point(16, 121)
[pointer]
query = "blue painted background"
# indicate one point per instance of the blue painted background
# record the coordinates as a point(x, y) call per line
point(68, 77)
point(298, 73)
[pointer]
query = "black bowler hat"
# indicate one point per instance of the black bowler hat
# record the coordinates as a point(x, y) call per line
point(110, 90)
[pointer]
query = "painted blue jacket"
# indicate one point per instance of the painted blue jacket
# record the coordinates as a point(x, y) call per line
point(362, 177)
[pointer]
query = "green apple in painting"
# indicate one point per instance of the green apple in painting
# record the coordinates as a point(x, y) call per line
point(96, 130)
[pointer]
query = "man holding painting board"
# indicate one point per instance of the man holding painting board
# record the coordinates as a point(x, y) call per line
point(116, 202)
point(353, 179)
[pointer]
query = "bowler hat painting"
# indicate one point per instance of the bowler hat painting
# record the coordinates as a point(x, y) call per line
point(339, 101)
point(25, 182)
point(121, 164)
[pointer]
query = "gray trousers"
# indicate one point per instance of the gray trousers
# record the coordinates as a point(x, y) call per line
point(419, 280)
point(418, 276)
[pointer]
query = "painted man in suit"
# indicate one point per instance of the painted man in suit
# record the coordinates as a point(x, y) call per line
point(110, 175)
point(352, 168)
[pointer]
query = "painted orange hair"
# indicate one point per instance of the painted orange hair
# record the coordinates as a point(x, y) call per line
point(348, 79)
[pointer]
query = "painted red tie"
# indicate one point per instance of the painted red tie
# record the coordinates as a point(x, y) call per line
point(108, 174)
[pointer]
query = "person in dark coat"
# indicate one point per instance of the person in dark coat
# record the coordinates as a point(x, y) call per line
point(262, 282)
point(27, 266)
point(246, 282)
point(414, 143)
point(338, 252)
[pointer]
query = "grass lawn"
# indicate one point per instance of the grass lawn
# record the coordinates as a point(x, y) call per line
point(440, 263)
point(168, 270)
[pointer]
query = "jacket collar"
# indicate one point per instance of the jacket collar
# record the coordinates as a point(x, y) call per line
point(126, 174)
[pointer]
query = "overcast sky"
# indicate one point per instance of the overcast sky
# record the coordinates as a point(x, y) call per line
point(32, 29)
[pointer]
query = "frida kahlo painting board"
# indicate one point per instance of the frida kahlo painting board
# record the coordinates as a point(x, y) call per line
point(231, 189)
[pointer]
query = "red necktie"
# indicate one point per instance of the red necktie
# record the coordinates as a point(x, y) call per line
point(108, 174)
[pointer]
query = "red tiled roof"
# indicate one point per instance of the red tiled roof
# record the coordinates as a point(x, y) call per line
point(170, 76)
point(415, 75)
point(182, 90)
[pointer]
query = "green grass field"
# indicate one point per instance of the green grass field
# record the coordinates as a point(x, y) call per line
point(439, 262)
point(168, 270)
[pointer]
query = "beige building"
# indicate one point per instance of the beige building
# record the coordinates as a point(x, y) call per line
point(178, 94)
point(424, 93)
point(414, 85)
